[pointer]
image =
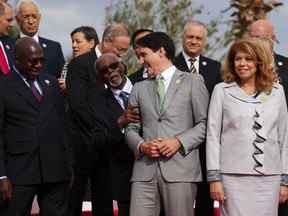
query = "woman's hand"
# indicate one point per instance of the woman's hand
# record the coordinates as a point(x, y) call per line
point(283, 195)
point(216, 191)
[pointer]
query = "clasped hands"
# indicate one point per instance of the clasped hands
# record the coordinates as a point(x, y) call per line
point(160, 147)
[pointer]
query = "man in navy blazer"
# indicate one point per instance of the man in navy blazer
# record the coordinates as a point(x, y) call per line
point(6, 43)
point(33, 152)
point(28, 18)
point(194, 41)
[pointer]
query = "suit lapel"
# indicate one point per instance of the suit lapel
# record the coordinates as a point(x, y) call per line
point(21, 88)
point(172, 89)
point(46, 104)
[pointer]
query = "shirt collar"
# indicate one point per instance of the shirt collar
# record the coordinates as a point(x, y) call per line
point(98, 52)
point(35, 37)
point(168, 73)
point(187, 57)
point(127, 88)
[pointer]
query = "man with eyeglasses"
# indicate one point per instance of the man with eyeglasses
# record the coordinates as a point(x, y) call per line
point(86, 136)
point(116, 160)
point(28, 17)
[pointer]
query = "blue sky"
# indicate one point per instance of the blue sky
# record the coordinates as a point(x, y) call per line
point(60, 17)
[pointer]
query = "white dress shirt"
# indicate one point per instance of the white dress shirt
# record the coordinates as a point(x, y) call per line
point(35, 37)
point(167, 76)
point(127, 89)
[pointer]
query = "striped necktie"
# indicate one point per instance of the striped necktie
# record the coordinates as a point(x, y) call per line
point(124, 97)
point(192, 68)
point(34, 90)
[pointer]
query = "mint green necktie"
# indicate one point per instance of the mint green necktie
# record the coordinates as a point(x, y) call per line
point(160, 91)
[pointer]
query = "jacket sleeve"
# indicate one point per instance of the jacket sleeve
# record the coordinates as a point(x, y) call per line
point(213, 138)
point(193, 137)
point(283, 137)
point(132, 131)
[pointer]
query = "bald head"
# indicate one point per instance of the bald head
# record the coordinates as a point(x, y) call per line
point(262, 28)
point(111, 70)
point(29, 57)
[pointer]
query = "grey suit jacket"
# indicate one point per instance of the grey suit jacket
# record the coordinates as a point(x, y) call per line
point(184, 117)
point(247, 135)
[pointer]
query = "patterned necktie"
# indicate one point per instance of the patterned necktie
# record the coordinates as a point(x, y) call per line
point(3, 63)
point(160, 91)
point(192, 68)
point(124, 96)
point(34, 90)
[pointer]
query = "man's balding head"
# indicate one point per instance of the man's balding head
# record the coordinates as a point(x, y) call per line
point(115, 39)
point(262, 28)
point(29, 57)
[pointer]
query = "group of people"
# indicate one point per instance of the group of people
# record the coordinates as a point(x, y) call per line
point(169, 139)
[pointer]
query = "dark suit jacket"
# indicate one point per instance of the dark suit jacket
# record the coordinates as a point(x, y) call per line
point(81, 86)
point(54, 59)
point(9, 45)
point(281, 63)
point(208, 68)
point(115, 151)
point(137, 76)
point(32, 144)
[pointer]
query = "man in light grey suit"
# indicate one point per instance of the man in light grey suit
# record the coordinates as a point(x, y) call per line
point(173, 110)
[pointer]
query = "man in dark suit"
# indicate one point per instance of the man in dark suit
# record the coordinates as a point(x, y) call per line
point(28, 18)
point(33, 153)
point(6, 43)
point(141, 73)
point(191, 60)
point(82, 88)
point(263, 28)
point(116, 155)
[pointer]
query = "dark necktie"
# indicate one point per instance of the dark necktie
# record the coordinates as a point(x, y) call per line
point(3, 63)
point(192, 68)
point(34, 90)
point(124, 96)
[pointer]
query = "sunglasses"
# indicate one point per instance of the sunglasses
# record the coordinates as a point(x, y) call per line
point(111, 67)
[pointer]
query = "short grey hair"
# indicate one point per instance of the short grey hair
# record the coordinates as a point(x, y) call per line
point(20, 2)
point(195, 23)
point(115, 30)
point(2, 7)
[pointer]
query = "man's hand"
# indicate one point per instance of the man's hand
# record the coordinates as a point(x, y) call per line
point(168, 147)
point(283, 195)
point(130, 115)
point(6, 189)
point(150, 148)
point(62, 85)
point(216, 191)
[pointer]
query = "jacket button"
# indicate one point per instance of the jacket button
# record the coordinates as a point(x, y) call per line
point(159, 120)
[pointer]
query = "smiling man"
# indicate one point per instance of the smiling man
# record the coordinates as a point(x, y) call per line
point(115, 155)
point(28, 17)
point(33, 153)
point(173, 111)
point(191, 60)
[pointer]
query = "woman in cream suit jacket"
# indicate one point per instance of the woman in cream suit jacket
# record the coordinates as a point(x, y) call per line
point(247, 137)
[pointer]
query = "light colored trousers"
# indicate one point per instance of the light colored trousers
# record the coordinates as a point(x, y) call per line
point(177, 198)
